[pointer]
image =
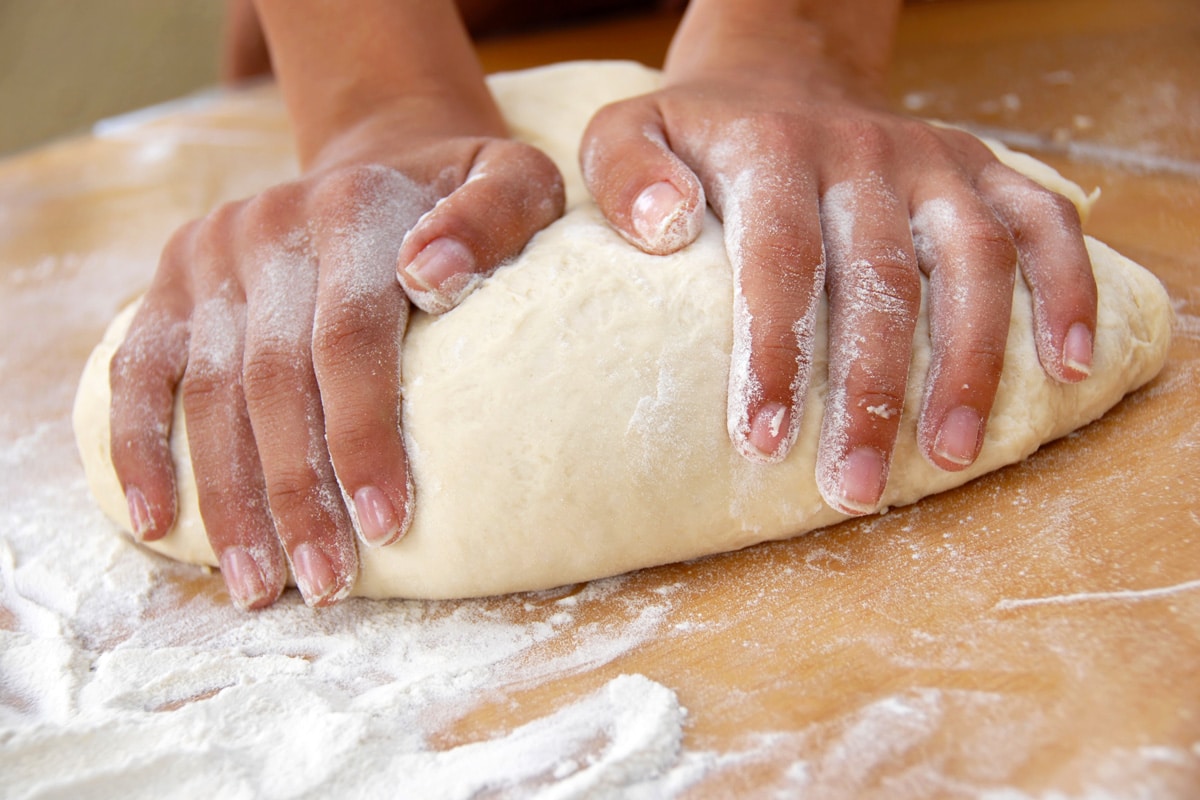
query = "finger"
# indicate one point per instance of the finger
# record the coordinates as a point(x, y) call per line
point(643, 189)
point(971, 261)
point(874, 299)
point(144, 374)
point(284, 405)
point(229, 483)
point(360, 318)
point(778, 272)
point(1055, 264)
point(512, 191)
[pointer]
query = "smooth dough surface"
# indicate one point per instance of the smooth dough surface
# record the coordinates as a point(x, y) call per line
point(567, 421)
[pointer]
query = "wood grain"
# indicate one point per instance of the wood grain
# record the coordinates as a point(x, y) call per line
point(1038, 629)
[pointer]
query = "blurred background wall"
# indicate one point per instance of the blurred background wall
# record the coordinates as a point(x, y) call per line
point(66, 63)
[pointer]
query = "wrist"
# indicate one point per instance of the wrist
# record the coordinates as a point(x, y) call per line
point(843, 47)
point(347, 67)
point(400, 128)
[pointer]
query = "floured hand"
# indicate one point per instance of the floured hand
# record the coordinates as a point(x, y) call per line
point(822, 190)
point(278, 319)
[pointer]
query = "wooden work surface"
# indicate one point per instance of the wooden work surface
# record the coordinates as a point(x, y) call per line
point(1037, 630)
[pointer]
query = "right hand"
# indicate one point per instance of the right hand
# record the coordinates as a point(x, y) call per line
point(279, 319)
point(823, 191)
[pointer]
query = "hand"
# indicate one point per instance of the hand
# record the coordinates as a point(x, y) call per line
point(822, 190)
point(279, 319)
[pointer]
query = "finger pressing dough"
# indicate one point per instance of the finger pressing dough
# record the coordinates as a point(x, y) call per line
point(567, 421)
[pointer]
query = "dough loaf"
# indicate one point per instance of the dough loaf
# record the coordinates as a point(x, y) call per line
point(567, 421)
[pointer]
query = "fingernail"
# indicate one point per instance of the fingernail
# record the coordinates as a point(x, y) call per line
point(243, 577)
point(861, 483)
point(1077, 349)
point(377, 519)
point(438, 261)
point(139, 512)
point(769, 431)
point(314, 575)
point(654, 211)
point(958, 439)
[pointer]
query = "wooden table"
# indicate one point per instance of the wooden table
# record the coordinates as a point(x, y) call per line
point(1037, 630)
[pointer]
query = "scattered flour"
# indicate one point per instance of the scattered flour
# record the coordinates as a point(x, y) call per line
point(122, 673)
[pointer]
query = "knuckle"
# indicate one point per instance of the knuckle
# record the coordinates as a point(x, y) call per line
point(127, 366)
point(880, 281)
point(348, 331)
point(774, 132)
point(1050, 207)
point(196, 243)
point(179, 245)
point(526, 160)
point(369, 196)
point(127, 376)
point(1027, 205)
point(1064, 207)
point(776, 361)
point(357, 440)
point(211, 236)
point(349, 185)
point(221, 219)
point(960, 146)
point(291, 491)
point(610, 116)
point(787, 257)
point(270, 212)
point(203, 390)
point(269, 371)
point(538, 183)
point(991, 242)
point(984, 358)
point(869, 139)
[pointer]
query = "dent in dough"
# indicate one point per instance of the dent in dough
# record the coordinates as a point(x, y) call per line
point(585, 434)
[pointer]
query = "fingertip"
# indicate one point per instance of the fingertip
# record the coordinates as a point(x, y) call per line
point(378, 520)
point(664, 219)
point(958, 440)
point(318, 581)
point(246, 580)
point(1077, 353)
point(148, 522)
point(854, 484)
point(439, 261)
point(645, 190)
point(768, 435)
point(141, 520)
point(440, 275)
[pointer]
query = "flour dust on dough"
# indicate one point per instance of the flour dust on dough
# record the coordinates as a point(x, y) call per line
point(567, 421)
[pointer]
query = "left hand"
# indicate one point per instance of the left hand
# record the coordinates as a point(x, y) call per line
point(823, 190)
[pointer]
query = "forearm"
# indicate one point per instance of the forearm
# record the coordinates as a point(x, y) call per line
point(339, 63)
point(845, 41)
point(243, 50)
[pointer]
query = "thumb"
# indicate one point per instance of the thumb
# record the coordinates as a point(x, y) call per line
point(643, 189)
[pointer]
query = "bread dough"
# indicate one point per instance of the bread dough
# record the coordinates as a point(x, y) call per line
point(567, 421)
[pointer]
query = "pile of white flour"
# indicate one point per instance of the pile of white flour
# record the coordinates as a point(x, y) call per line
point(124, 674)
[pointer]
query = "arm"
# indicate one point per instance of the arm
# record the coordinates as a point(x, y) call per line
point(774, 112)
point(278, 318)
point(341, 66)
point(243, 47)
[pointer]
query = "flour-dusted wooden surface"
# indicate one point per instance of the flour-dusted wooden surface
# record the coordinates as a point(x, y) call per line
point(1036, 631)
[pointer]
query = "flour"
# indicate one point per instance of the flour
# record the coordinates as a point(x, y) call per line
point(109, 654)
point(122, 673)
point(116, 681)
